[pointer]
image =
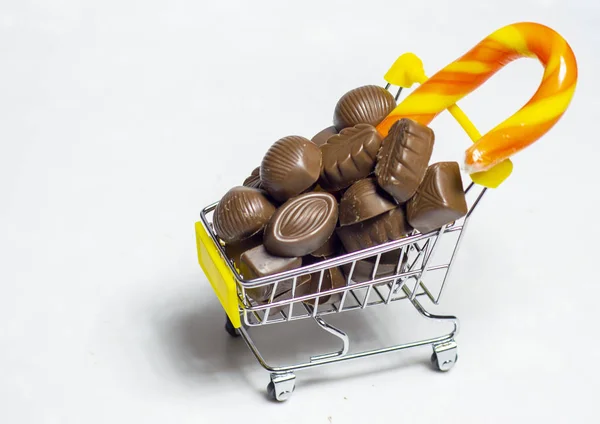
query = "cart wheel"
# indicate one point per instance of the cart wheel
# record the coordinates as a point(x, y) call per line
point(281, 386)
point(233, 332)
point(444, 356)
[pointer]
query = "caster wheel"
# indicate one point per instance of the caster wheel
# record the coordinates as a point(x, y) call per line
point(447, 364)
point(281, 387)
point(231, 330)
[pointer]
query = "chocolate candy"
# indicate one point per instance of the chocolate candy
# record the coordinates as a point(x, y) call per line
point(234, 250)
point(330, 248)
point(253, 180)
point(362, 201)
point(333, 278)
point(440, 198)
point(363, 105)
point(383, 228)
point(349, 156)
point(363, 270)
point(241, 213)
point(403, 158)
point(291, 166)
point(302, 224)
point(322, 136)
point(257, 262)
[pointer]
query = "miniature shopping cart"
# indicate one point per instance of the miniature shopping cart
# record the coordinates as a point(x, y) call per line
point(418, 256)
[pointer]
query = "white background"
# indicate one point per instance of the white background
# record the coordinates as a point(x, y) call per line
point(121, 119)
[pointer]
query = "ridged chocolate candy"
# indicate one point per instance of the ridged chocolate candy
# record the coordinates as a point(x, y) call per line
point(362, 201)
point(349, 156)
point(363, 105)
point(290, 167)
point(440, 198)
point(253, 180)
point(383, 228)
point(322, 136)
point(330, 248)
point(403, 158)
point(241, 213)
point(301, 225)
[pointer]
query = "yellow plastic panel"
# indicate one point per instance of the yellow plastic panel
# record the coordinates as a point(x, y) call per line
point(218, 273)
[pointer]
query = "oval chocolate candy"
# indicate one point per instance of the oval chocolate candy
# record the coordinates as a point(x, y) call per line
point(290, 166)
point(363, 105)
point(241, 213)
point(301, 225)
point(362, 201)
point(349, 156)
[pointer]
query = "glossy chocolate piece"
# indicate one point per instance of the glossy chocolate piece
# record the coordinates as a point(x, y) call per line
point(383, 228)
point(322, 136)
point(291, 166)
point(333, 278)
point(349, 156)
point(362, 201)
point(253, 180)
point(330, 248)
point(403, 158)
point(302, 224)
point(234, 250)
point(364, 269)
point(440, 198)
point(241, 213)
point(363, 105)
point(258, 262)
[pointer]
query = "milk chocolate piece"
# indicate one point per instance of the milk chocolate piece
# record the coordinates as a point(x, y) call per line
point(290, 166)
point(241, 213)
point(333, 278)
point(364, 269)
point(363, 105)
point(322, 136)
point(403, 158)
point(253, 180)
point(234, 250)
point(330, 248)
point(302, 224)
point(349, 156)
point(362, 201)
point(257, 262)
point(383, 228)
point(440, 198)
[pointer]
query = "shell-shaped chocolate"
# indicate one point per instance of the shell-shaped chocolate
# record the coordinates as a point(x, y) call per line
point(241, 213)
point(362, 201)
point(253, 180)
point(301, 225)
point(349, 156)
point(290, 166)
point(363, 105)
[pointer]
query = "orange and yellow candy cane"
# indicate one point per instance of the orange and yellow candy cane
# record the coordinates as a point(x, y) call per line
point(464, 75)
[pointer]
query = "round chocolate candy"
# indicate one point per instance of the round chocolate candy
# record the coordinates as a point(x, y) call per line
point(322, 136)
point(301, 225)
point(290, 167)
point(241, 213)
point(364, 200)
point(254, 179)
point(363, 105)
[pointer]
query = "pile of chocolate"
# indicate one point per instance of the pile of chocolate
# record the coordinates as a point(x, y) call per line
point(346, 190)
